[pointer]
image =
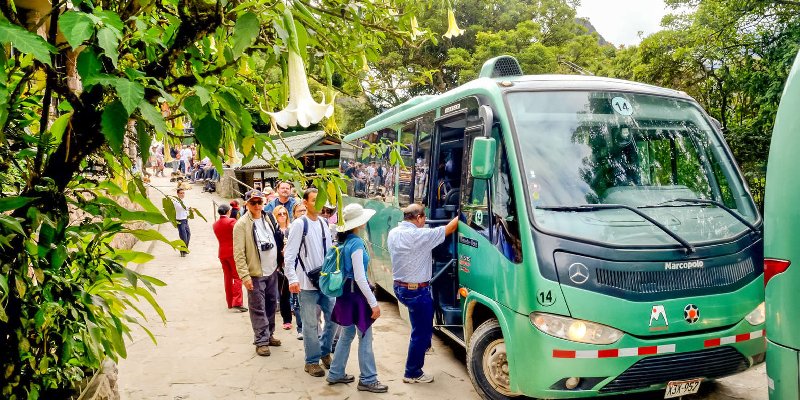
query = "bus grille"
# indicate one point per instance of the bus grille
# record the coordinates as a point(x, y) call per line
point(658, 370)
point(674, 280)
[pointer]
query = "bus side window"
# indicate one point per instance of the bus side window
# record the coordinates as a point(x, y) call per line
point(401, 176)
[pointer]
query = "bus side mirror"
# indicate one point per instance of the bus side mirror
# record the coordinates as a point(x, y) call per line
point(484, 150)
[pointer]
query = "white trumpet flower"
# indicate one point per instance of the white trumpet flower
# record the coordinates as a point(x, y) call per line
point(452, 26)
point(302, 108)
point(415, 31)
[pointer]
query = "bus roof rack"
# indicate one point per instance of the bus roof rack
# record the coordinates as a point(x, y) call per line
point(501, 66)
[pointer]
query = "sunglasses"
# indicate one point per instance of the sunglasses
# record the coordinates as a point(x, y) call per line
point(282, 213)
point(256, 203)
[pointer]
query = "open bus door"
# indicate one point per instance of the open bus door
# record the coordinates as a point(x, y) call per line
point(444, 188)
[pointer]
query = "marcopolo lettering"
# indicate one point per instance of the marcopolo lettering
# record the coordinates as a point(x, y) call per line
point(683, 265)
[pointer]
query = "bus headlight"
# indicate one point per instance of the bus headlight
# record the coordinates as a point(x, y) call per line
point(575, 330)
point(757, 316)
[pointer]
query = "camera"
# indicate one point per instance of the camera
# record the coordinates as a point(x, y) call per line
point(267, 246)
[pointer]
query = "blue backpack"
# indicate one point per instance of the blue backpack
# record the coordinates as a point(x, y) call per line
point(331, 277)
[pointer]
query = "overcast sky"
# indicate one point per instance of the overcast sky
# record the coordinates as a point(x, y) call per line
point(619, 21)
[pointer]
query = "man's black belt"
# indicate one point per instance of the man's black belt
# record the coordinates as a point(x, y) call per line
point(412, 286)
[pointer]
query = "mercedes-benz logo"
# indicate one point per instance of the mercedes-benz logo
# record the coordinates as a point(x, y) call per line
point(578, 273)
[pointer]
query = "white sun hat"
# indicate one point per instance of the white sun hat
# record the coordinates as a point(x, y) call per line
point(354, 216)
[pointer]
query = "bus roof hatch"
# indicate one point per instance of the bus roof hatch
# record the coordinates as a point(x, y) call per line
point(501, 66)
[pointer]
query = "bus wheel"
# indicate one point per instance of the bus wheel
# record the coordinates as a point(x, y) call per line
point(487, 363)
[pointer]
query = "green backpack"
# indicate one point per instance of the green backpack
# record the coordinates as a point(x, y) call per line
point(331, 278)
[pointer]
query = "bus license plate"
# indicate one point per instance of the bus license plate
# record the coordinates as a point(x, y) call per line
point(682, 388)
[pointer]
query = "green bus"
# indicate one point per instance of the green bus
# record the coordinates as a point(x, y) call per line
point(782, 230)
point(607, 242)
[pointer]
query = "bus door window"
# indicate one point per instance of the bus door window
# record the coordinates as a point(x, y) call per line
point(497, 219)
point(422, 158)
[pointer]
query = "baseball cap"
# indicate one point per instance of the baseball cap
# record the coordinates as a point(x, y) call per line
point(253, 194)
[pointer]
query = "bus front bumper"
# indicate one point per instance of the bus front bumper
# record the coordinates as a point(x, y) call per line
point(548, 367)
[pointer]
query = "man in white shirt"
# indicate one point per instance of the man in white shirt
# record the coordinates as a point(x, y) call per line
point(300, 259)
point(186, 159)
point(255, 253)
point(410, 245)
point(182, 216)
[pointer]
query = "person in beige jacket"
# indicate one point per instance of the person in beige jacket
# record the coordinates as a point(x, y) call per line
point(255, 253)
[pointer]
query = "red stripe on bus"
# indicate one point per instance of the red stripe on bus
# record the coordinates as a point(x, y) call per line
point(610, 353)
point(644, 351)
point(563, 353)
point(712, 342)
point(742, 337)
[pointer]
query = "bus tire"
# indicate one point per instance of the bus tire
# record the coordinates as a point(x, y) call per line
point(487, 364)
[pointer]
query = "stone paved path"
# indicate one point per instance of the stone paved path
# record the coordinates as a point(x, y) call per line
point(205, 351)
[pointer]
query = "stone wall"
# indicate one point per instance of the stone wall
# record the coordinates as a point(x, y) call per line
point(103, 386)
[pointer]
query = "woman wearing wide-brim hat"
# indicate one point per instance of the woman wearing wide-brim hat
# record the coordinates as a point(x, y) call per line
point(356, 309)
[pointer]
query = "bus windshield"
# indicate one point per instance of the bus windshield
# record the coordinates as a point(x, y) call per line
point(655, 154)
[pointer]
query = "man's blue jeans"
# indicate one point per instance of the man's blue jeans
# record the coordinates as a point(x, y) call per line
point(420, 312)
point(183, 231)
point(316, 347)
point(366, 357)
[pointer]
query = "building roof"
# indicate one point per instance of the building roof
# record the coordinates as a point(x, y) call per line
point(295, 146)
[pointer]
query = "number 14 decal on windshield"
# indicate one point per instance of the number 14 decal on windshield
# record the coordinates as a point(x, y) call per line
point(621, 106)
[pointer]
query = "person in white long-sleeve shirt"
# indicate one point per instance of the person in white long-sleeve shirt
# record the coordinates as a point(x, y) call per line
point(299, 259)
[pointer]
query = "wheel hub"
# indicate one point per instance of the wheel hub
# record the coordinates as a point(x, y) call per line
point(495, 367)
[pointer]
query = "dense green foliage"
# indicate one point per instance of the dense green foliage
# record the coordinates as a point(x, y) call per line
point(733, 56)
point(85, 96)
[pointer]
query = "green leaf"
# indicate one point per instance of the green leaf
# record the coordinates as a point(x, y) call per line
point(3, 287)
point(58, 256)
point(13, 203)
point(77, 27)
point(114, 121)
point(203, 94)
point(147, 235)
point(154, 117)
point(108, 41)
point(169, 209)
point(26, 42)
point(208, 132)
point(11, 224)
point(130, 93)
point(111, 19)
point(245, 33)
point(144, 141)
point(194, 106)
point(58, 128)
point(132, 256)
point(88, 66)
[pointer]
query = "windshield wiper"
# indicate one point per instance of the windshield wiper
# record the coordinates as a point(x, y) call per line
point(730, 211)
point(595, 207)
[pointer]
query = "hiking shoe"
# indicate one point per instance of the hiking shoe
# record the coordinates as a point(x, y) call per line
point(262, 350)
point(345, 379)
point(274, 342)
point(374, 387)
point(239, 309)
point(287, 326)
point(422, 379)
point(326, 361)
point(314, 370)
